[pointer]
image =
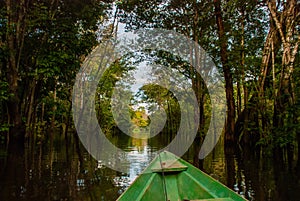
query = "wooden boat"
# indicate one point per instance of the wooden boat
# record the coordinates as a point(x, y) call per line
point(170, 178)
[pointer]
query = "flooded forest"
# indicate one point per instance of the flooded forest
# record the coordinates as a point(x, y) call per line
point(45, 46)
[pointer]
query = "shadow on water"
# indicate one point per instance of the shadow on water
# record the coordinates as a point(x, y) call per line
point(52, 167)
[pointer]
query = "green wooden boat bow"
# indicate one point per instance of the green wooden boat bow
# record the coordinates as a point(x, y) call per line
point(170, 178)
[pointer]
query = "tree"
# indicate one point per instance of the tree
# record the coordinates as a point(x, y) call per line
point(230, 121)
point(44, 43)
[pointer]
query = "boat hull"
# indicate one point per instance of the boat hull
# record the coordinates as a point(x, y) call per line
point(169, 177)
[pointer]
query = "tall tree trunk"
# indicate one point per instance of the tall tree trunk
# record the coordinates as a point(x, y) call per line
point(230, 122)
point(285, 22)
point(197, 81)
point(15, 40)
point(245, 89)
point(54, 108)
point(30, 106)
point(255, 105)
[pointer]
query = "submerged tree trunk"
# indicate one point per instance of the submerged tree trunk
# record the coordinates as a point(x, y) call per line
point(285, 22)
point(15, 40)
point(230, 123)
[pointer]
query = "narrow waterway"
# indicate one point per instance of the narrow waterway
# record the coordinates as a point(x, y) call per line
point(51, 167)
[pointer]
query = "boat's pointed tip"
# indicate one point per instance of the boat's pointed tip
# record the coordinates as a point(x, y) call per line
point(164, 152)
point(169, 153)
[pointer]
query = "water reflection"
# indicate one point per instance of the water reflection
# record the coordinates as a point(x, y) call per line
point(56, 168)
point(140, 153)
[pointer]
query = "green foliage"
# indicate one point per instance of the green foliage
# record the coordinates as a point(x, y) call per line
point(106, 86)
point(160, 99)
point(57, 37)
point(246, 28)
point(140, 118)
point(4, 94)
point(4, 128)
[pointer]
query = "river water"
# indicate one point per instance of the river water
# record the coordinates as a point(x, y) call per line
point(53, 167)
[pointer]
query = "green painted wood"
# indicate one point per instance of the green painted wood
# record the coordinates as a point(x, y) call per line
point(172, 187)
point(183, 182)
point(168, 166)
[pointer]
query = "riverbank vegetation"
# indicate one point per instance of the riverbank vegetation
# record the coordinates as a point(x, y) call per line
point(254, 44)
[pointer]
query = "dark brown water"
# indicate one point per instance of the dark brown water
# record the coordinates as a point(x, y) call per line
point(50, 167)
